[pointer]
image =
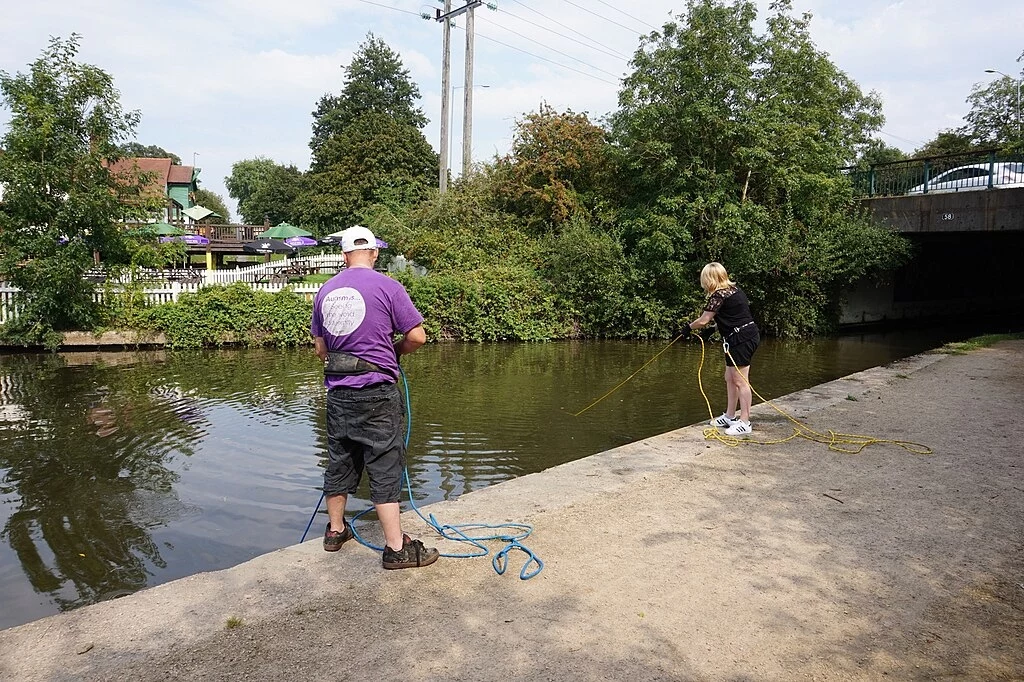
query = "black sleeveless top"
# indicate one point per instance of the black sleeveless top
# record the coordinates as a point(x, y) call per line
point(732, 314)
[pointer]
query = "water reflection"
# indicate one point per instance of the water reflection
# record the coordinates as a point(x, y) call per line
point(80, 528)
point(119, 471)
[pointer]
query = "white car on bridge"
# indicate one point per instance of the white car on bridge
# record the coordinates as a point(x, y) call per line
point(975, 176)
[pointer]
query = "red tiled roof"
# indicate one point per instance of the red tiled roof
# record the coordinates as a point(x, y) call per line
point(180, 175)
point(160, 167)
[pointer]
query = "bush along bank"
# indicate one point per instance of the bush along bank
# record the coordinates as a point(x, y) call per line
point(498, 304)
point(214, 316)
point(491, 304)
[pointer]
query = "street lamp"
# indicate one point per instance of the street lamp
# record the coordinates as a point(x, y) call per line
point(1016, 80)
point(451, 126)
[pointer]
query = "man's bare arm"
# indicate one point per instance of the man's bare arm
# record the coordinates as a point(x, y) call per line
point(411, 340)
point(320, 347)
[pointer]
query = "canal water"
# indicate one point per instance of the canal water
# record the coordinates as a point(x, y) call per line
point(124, 470)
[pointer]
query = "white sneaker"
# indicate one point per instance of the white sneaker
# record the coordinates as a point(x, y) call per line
point(723, 422)
point(739, 428)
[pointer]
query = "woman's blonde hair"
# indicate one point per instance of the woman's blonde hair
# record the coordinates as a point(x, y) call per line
point(714, 277)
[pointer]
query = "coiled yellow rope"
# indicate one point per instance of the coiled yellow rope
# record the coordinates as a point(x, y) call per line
point(849, 443)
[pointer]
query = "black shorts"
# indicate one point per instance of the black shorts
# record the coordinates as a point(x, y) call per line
point(742, 352)
point(365, 429)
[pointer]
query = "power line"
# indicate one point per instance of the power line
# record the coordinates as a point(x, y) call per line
point(555, 21)
point(564, 54)
point(641, 21)
point(610, 21)
point(902, 139)
point(404, 11)
point(537, 56)
point(607, 50)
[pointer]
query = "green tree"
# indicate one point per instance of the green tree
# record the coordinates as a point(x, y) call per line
point(557, 169)
point(375, 81)
point(878, 151)
point(994, 118)
point(248, 178)
point(954, 141)
point(367, 145)
point(460, 231)
point(731, 143)
point(264, 189)
point(214, 202)
point(375, 160)
point(594, 279)
point(275, 198)
point(151, 151)
point(60, 198)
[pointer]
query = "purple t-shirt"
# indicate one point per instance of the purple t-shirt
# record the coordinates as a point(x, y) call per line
point(357, 311)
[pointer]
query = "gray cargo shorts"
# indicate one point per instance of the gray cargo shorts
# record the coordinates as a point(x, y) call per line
point(365, 430)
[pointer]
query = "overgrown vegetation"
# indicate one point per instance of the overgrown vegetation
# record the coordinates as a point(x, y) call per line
point(217, 315)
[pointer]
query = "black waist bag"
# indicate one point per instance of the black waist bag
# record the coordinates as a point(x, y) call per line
point(341, 364)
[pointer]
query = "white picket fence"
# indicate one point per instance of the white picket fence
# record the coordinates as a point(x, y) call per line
point(161, 290)
point(158, 293)
point(322, 262)
point(8, 311)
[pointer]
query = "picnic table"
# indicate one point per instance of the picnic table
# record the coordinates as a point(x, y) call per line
point(295, 270)
point(189, 276)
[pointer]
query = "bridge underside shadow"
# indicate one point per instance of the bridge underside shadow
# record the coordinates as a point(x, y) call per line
point(967, 261)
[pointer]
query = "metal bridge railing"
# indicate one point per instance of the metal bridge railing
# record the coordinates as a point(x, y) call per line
point(978, 170)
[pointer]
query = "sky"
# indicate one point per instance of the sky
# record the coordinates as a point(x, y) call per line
point(219, 81)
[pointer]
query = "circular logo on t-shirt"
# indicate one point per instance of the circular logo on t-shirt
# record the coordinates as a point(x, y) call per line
point(343, 311)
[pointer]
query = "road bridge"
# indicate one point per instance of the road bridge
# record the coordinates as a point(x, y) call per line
point(970, 210)
point(967, 258)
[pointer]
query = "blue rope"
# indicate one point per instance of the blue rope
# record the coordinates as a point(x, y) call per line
point(509, 533)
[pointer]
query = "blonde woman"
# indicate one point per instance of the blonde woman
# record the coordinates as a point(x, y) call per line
point(729, 308)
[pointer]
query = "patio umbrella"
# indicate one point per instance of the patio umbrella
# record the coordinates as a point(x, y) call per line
point(163, 229)
point(158, 228)
point(299, 242)
point(190, 239)
point(267, 246)
point(283, 231)
point(198, 212)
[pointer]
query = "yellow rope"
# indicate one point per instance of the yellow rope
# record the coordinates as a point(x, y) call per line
point(621, 383)
point(848, 443)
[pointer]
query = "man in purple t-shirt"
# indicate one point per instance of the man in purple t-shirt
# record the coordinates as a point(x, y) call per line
point(356, 315)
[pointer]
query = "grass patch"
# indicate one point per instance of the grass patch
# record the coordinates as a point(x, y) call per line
point(234, 622)
point(313, 279)
point(984, 341)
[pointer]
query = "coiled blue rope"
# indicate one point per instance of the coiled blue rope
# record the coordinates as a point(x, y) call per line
point(509, 533)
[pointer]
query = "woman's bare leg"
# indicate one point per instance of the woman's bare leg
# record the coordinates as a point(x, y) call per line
point(741, 375)
point(732, 398)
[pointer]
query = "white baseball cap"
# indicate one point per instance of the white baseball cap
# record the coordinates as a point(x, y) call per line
point(357, 237)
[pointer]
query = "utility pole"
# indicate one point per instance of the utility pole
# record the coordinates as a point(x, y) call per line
point(467, 109)
point(445, 17)
point(446, 77)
